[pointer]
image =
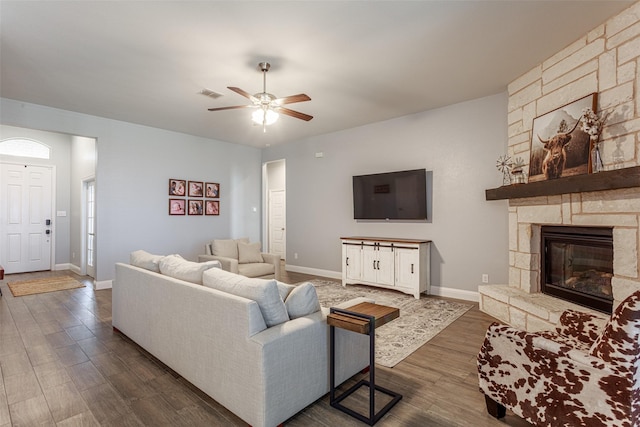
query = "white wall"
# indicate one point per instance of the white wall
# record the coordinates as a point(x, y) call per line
point(458, 144)
point(134, 166)
point(60, 145)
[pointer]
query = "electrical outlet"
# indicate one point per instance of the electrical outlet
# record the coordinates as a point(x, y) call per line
point(485, 278)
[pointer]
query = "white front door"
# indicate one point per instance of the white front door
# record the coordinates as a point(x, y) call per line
point(277, 220)
point(26, 229)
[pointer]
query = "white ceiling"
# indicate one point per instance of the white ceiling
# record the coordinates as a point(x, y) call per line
point(360, 61)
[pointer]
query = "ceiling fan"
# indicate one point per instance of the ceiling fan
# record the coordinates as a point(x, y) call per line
point(268, 107)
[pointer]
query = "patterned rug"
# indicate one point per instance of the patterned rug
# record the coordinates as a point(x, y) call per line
point(40, 286)
point(419, 321)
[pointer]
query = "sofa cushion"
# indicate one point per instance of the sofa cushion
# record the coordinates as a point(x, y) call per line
point(256, 269)
point(226, 248)
point(264, 292)
point(179, 268)
point(144, 259)
point(249, 253)
point(302, 301)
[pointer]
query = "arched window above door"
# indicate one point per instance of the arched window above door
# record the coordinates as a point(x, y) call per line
point(24, 147)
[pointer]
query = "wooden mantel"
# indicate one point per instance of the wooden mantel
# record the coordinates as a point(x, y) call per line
point(608, 180)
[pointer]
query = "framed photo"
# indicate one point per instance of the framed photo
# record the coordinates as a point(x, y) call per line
point(195, 189)
point(195, 207)
point(177, 207)
point(177, 187)
point(559, 147)
point(212, 190)
point(212, 207)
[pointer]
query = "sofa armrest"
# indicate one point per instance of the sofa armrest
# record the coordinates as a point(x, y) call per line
point(272, 259)
point(228, 264)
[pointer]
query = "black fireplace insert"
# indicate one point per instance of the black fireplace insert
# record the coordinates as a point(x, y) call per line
point(577, 265)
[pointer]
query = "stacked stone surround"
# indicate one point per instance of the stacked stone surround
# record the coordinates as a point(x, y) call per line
point(605, 61)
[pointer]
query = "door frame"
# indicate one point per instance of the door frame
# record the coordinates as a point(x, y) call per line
point(265, 203)
point(54, 217)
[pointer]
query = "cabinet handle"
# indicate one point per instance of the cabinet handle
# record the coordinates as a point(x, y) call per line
point(374, 265)
point(347, 261)
point(411, 268)
point(378, 265)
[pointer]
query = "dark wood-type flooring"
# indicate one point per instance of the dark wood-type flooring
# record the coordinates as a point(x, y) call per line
point(62, 364)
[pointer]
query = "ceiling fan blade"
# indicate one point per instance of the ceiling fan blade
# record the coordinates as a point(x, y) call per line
point(244, 93)
point(292, 113)
point(234, 107)
point(301, 97)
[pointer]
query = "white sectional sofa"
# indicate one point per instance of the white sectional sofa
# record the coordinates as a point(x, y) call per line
point(221, 342)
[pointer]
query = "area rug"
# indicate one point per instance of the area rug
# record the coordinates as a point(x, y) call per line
point(40, 286)
point(419, 321)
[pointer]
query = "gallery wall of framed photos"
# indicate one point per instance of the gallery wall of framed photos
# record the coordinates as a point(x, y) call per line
point(193, 197)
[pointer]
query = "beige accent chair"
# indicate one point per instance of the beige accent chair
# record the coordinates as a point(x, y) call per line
point(241, 257)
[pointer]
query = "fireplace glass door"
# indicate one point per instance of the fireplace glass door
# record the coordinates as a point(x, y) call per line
point(578, 265)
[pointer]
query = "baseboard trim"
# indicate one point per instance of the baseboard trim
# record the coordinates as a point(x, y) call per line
point(314, 271)
point(455, 293)
point(435, 290)
point(59, 267)
point(102, 284)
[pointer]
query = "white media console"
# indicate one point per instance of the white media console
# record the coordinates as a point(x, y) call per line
point(400, 264)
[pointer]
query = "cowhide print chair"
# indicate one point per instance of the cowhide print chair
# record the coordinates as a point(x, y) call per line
point(586, 373)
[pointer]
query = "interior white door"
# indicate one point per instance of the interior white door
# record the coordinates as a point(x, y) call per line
point(90, 227)
point(25, 218)
point(277, 222)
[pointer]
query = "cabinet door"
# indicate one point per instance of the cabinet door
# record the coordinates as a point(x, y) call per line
point(407, 268)
point(369, 259)
point(384, 266)
point(353, 262)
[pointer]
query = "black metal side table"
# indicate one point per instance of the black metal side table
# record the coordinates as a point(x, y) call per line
point(362, 318)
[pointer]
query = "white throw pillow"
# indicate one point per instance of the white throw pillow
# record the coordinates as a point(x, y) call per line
point(144, 259)
point(179, 268)
point(302, 301)
point(249, 253)
point(264, 292)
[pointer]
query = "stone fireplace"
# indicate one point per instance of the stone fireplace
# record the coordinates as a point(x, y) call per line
point(521, 302)
point(606, 61)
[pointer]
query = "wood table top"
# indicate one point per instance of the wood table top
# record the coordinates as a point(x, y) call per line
point(383, 314)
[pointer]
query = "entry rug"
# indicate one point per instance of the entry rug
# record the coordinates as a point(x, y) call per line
point(419, 321)
point(40, 286)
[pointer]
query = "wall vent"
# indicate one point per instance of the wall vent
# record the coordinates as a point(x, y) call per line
point(210, 93)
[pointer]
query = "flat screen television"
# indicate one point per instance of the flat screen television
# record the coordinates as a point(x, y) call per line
point(392, 195)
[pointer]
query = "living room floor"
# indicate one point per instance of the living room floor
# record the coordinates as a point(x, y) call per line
point(61, 364)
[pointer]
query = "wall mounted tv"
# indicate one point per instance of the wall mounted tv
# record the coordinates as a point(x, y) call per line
point(391, 196)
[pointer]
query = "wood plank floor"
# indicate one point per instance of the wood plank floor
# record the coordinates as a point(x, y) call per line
point(61, 364)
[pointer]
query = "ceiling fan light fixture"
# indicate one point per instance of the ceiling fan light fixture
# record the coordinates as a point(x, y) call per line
point(264, 116)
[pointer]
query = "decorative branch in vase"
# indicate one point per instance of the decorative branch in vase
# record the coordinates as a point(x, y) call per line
point(592, 124)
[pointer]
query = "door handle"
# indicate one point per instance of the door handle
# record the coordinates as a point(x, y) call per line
point(47, 232)
point(347, 261)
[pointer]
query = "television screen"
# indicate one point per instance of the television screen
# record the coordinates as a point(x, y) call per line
point(391, 195)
